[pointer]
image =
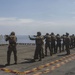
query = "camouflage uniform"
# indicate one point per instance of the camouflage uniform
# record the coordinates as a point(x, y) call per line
point(47, 44)
point(53, 39)
point(63, 44)
point(11, 48)
point(74, 41)
point(71, 42)
point(67, 43)
point(58, 42)
point(39, 46)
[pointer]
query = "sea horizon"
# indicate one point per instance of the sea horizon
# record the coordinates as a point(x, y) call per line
point(20, 39)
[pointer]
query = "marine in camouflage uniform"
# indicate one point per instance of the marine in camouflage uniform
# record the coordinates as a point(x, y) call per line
point(63, 44)
point(58, 40)
point(47, 44)
point(42, 51)
point(39, 44)
point(11, 48)
point(53, 39)
point(72, 41)
point(67, 43)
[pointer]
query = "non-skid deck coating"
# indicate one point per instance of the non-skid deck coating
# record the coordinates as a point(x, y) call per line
point(25, 67)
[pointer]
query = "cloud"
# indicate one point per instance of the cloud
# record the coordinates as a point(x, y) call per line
point(7, 19)
point(14, 21)
point(31, 22)
point(31, 26)
point(26, 20)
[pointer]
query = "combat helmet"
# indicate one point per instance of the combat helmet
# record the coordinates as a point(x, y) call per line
point(39, 33)
point(47, 33)
point(12, 33)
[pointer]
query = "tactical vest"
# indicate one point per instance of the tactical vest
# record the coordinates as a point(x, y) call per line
point(58, 39)
point(48, 39)
point(12, 40)
point(53, 38)
point(67, 40)
point(39, 41)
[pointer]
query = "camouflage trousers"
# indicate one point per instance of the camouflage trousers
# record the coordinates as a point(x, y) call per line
point(48, 46)
point(67, 49)
point(10, 50)
point(38, 52)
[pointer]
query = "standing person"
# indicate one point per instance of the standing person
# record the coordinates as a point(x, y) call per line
point(12, 47)
point(53, 39)
point(47, 43)
point(74, 41)
point(71, 43)
point(67, 43)
point(42, 51)
point(39, 43)
point(63, 44)
point(58, 39)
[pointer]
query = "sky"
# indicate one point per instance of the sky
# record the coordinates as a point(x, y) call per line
point(27, 17)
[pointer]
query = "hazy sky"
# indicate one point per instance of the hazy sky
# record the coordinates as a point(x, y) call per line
point(29, 16)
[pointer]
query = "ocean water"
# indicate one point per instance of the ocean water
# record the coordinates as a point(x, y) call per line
point(20, 39)
point(24, 39)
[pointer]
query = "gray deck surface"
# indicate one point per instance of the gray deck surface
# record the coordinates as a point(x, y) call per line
point(25, 53)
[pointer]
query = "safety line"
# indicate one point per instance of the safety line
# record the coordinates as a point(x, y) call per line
point(35, 69)
point(54, 67)
point(47, 65)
